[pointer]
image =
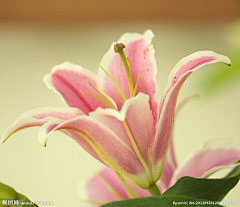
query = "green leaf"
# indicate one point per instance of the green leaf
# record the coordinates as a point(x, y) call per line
point(9, 194)
point(234, 172)
point(189, 191)
point(208, 189)
point(164, 201)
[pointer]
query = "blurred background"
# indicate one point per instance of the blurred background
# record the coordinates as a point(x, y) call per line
point(36, 35)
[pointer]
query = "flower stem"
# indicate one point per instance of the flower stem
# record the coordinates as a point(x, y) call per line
point(154, 190)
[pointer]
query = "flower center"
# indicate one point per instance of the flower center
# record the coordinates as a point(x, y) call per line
point(118, 48)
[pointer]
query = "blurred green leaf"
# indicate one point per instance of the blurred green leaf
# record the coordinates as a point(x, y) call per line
point(223, 76)
point(9, 194)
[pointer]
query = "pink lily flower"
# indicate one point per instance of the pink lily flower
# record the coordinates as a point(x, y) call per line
point(207, 159)
point(114, 115)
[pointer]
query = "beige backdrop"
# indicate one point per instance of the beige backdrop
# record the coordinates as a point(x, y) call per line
point(28, 52)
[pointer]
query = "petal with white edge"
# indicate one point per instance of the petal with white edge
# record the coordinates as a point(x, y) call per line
point(171, 163)
point(106, 187)
point(109, 147)
point(68, 80)
point(48, 119)
point(167, 107)
point(49, 127)
point(38, 117)
point(167, 173)
point(138, 116)
point(140, 53)
point(208, 158)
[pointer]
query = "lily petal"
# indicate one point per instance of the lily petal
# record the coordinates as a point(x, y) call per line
point(168, 171)
point(39, 117)
point(167, 107)
point(140, 54)
point(109, 147)
point(209, 156)
point(67, 79)
point(137, 114)
point(96, 190)
point(48, 119)
point(170, 164)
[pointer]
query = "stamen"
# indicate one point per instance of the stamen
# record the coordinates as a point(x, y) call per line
point(135, 89)
point(109, 187)
point(118, 48)
point(123, 181)
point(101, 94)
point(135, 193)
point(102, 100)
point(114, 82)
point(120, 98)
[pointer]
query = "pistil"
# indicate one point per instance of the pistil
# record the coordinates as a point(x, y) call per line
point(118, 48)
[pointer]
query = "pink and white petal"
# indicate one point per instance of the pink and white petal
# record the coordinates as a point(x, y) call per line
point(96, 190)
point(51, 126)
point(38, 117)
point(113, 120)
point(209, 157)
point(167, 172)
point(167, 107)
point(171, 163)
point(140, 53)
point(67, 79)
point(109, 147)
point(189, 64)
point(83, 196)
point(138, 116)
point(216, 169)
point(47, 128)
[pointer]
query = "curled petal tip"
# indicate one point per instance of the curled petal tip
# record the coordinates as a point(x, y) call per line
point(228, 64)
point(227, 61)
